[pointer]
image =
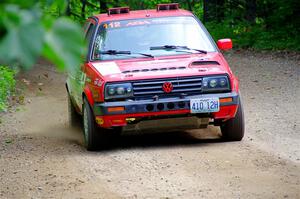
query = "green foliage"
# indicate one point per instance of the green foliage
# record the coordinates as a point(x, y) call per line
point(63, 38)
point(256, 36)
point(21, 27)
point(7, 85)
point(276, 25)
point(29, 33)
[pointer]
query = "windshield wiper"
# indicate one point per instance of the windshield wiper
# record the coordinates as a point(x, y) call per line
point(144, 54)
point(116, 52)
point(173, 47)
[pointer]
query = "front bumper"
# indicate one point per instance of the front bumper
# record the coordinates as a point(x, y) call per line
point(165, 107)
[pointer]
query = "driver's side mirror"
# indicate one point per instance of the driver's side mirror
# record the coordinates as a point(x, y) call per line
point(224, 44)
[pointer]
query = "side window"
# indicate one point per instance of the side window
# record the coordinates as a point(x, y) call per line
point(97, 46)
point(89, 32)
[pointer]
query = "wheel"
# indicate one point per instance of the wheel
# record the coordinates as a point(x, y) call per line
point(233, 129)
point(74, 117)
point(94, 136)
point(89, 127)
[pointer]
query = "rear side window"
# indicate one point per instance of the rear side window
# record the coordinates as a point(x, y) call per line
point(89, 32)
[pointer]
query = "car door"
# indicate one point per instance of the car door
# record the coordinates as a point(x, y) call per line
point(77, 78)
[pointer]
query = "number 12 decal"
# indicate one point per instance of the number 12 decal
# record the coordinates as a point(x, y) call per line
point(112, 25)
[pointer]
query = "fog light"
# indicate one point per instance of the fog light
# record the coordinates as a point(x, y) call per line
point(181, 104)
point(149, 107)
point(170, 105)
point(160, 106)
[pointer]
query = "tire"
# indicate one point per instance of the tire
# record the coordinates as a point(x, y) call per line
point(74, 117)
point(89, 127)
point(233, 129)
point(95, 137)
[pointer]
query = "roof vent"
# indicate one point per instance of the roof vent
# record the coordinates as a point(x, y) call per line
point(120, 10)
point(167, 6)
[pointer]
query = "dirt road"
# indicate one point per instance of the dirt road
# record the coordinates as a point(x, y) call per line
point(40, 157)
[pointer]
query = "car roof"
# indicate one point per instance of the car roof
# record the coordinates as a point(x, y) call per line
point(138, 14)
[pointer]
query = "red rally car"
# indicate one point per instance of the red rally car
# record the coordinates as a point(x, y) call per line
point(152, 70)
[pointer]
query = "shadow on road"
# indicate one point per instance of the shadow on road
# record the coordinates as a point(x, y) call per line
point(197, 137)
point(65, 138)
point(158, 140)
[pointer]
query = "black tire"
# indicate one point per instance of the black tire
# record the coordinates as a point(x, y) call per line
point(74, 117)
point(233, 129)
point(89, 127)
point(94, 136)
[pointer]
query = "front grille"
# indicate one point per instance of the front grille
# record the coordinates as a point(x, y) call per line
point(186, 85)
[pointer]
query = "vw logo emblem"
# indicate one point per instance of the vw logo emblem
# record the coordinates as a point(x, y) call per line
point(167, 87)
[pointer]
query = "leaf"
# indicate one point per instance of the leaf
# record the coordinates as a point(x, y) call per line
point(23, 40)
point(64, 44)
point(23, 4)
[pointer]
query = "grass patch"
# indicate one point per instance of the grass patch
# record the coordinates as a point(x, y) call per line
point(7, 86)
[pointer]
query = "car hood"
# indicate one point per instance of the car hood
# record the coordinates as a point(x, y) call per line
point(162, 67)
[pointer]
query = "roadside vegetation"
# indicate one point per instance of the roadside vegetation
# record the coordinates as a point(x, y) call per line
point(7, 85)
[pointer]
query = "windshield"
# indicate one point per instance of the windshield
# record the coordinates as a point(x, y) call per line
point(139, 35)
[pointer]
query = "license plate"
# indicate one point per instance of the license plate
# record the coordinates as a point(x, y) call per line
point(205, 105)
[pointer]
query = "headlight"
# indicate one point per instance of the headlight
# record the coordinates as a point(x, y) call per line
point(213, 83)
point(217, 83)
point(111, 91)
point(118, 91)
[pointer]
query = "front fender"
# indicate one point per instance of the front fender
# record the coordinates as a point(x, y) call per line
point(88, 94)
point(235, 84)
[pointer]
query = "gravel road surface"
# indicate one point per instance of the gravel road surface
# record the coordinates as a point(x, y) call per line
point(40, 157)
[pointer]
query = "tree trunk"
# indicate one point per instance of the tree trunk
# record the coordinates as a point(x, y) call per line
point(68, 10)
point(83, 8)
point(220, 10)
point(206, 10)
point(103, 6)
